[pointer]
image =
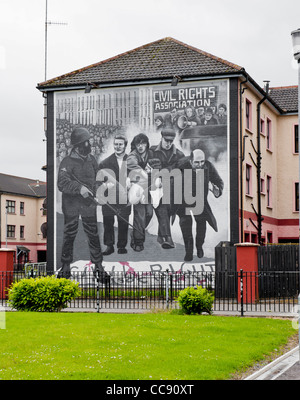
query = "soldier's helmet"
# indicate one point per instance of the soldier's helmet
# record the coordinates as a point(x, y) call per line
point(79, 135)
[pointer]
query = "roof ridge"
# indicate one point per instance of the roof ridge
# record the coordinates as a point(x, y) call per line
point(99, 62)
point(235, 66)
point(22, 177)
point(284, 87)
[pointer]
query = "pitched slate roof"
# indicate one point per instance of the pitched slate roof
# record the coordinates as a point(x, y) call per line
point(286, 97)
point(157, 60)
point(22, 186)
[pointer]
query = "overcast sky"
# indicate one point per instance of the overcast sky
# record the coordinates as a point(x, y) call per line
point(254, 34)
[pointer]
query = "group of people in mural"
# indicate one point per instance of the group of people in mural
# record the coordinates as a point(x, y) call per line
point(191, 117)
point(129, 182)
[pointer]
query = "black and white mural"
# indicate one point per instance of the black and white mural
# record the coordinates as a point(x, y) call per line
point(141, 177)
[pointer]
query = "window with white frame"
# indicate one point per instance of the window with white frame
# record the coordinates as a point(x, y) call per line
point(11, 231)
point(11, 206)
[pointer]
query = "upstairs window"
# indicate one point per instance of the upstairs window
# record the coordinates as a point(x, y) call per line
point(22, 232)
point(22, 208)
point(248, 180)
point(248, 114)
point(269, 134)
point(269, 191)
point(262, 126)
point(262, 186)
point(11, 206)
point(296, 196)
point(296, 139)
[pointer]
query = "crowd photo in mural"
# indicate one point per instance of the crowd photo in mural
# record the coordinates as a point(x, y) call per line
point(141, 177)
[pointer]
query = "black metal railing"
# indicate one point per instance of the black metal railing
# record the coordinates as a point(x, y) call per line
point(239, 292)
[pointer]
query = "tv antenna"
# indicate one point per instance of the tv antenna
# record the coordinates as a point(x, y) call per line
point(46, 35)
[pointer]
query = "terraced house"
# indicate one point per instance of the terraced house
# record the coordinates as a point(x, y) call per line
point(23, 218)
point(248, 132)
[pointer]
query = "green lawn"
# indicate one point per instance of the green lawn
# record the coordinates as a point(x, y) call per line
point(148, 346)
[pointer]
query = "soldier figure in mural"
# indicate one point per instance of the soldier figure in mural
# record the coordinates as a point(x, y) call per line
point(77, 181)
point(168, 155)
point(117, 164)
point(140, 163)
point(211, 177)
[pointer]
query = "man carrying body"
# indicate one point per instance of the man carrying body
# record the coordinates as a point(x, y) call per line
point(168, 155)
point(139, 165)
point(116, 163)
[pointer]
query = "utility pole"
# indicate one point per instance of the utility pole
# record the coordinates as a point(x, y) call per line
point(46, 61)
point(46, 36)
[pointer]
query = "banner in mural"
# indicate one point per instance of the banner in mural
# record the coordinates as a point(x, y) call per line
point(142, 177)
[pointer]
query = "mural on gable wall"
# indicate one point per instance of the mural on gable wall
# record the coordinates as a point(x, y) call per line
point(158, 207)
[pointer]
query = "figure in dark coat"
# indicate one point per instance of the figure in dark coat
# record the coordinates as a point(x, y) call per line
point(168, 155)
point(194, 162)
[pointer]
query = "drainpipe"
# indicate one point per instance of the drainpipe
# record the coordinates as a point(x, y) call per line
point(242, 146)
point(258, 169)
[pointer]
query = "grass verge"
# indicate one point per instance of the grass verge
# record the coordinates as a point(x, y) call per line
point(83, 346)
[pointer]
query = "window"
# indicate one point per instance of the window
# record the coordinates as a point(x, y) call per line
point(269, 191)
point(248, 114)
point(270, 237)
point(248, 180)
point(11, 230)
point(22, 232)
point(11, 206)
point(262, 126)
point(296, 139)
point(22, 208)
point(269, 134)
point(262, 186)
point(253, 238)
point(296, 196)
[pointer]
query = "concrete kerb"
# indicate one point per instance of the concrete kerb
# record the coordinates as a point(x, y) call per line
point(276, 368)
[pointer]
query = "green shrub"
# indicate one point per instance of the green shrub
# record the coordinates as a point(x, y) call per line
point(42, 294)
point(195, 300)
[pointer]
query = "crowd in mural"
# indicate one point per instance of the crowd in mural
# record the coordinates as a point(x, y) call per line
point(98, 136)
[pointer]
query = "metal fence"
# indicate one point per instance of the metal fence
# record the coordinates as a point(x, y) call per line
point(270, 292)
